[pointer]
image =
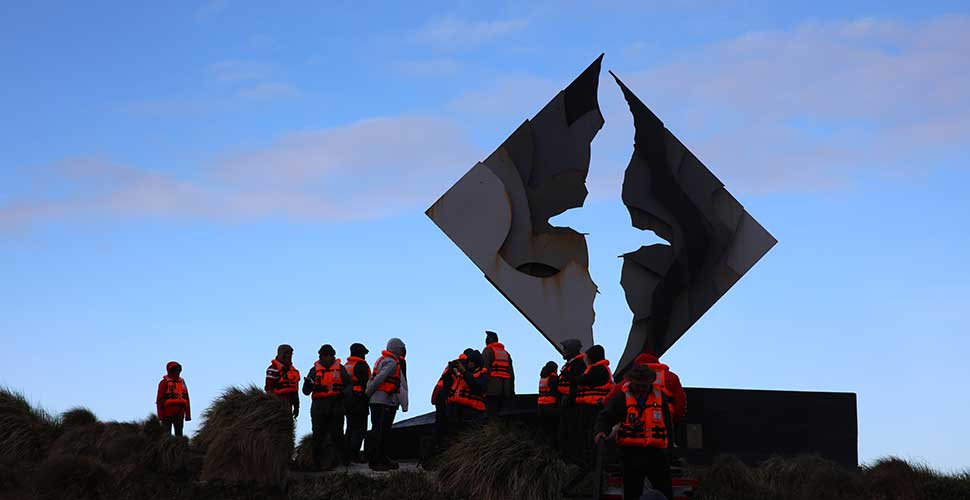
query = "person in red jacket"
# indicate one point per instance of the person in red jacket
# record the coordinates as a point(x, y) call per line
point(283, 379)
point(172, 400)
point(667, 381)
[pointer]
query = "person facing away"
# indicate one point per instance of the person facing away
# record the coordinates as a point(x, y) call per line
point(356, 406)
point(329, 385)
point(572, 444)
point(635, 417)
point(591, 387)
point(548, 402)
point(387, 390)
point(466, 399)
point(501, 376)
point(439, 398)
point(283, 379)
point(172, 400)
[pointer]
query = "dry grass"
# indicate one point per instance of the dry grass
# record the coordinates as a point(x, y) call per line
point(499, 462)
point(394, 486)
point(66, 477)
point(77, 417)
point(303, 454)
point(247, 436)
point(25, 431)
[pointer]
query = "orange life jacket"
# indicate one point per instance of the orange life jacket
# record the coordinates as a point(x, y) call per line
point(461, 394)
point(546, 395)
point(645, 426)
point(594, 395)
point(289, 378)
point(564, 384)
point(328, 382)
point(392, 384)
point(501, 363)
point(359, 385)
point(436, 393)
point(661, 370)
point(175, 392)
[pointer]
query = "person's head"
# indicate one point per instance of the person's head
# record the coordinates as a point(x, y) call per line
point(550, 368)
point(396, 346)
point(490, 337)
point(473, 358)
point(326, 353)
point(284, 354)
point(641, 379)
point(570, 348)
point(358, 350)
point(173, 369)
point(595, 353)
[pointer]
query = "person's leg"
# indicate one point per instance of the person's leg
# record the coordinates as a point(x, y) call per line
point(356, 426)
point(657, 469)
point(179, 424)
point(387, 420)
point(317, 420)
point(336, 431)
point(634, 472)
point(376, 432)
point(493, 406)
point(167, 425)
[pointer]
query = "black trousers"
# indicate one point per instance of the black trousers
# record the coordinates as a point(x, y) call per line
point(493, 406)
point(328, 421)
point(572, 435)
point(381, 419)
point(549, 425)
point(356, 428)
point(645, 462)
point(173, 422)
point(440, 426)
point(586, 421)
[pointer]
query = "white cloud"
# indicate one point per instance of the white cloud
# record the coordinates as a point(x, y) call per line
point(366, 169)
point(452, 32)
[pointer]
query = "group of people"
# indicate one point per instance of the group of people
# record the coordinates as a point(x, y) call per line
point(579, 405)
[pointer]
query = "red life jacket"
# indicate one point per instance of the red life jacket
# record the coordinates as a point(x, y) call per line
point(564, 384)
point(661, 370)
point(288, 380)
point(359, 385)
point(392, 384)
point(175, 392)
point(327, 383)
point(594, 395)
point(436, 393)
point(462, 395)
point(546, 395)
point(645, 426)
point(501, 363)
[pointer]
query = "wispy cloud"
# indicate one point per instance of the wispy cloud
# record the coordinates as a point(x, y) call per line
point(438, 67)
point(366, 169)
point(452, 32)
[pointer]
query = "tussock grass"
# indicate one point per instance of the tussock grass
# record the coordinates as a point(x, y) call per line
point(499, 461)
point(65, 477)
point(247, 435)
point(77, 417)
point(303, 454)
point(394, 486)
point(25, 431)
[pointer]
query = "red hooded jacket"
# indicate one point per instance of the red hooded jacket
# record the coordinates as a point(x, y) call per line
point(168, 411)
point(672, 383)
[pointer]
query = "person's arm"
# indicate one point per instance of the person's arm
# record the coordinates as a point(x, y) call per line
point(362, 372)
point(476, 383)
point(272, 379)
point(596, 376)
point(679, 394)
point(512, 374)
point(347, 382)
point(554, 384)
point(613, 412)
point(188, 408)
point(159, 396)
point(384, 370)
point(488, 357)
point(403, 393)
point(308, 382)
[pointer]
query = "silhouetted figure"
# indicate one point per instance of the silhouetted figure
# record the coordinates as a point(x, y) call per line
point(501, 376)
point(356, 406)
point(387, 390)
point(283, 379)
point(329, 385)
point(172, 400)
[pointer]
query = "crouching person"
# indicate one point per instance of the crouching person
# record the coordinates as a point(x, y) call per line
point(637, 413)
point(172, 400)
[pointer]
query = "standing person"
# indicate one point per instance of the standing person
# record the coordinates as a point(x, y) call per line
point(283, 379)
point(387, 390)
point(638, 414)
point(501, 376)
point(466, 401)
point(548, 402)
point(591, 387)
point(571, 431)
point(329, 385)
point(356, 406)
point(670, 387)
point(439, 398)
point(172, 400)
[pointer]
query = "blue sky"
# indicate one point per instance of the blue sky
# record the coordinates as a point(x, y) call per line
point(203, 181)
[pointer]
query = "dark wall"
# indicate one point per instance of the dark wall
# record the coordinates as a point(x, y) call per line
point(753, 425)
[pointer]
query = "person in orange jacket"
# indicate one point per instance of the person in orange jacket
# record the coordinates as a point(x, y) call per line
point(667, 381)
point(501, 374)
point(283, 379)
point(172, 400)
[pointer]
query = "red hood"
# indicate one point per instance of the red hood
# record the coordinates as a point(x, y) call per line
point(170, 365)
point(645, 358)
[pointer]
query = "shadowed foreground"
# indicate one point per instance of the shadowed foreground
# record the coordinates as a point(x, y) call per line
point(244, 450)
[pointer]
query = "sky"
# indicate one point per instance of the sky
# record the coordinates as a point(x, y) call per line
point(202, 181)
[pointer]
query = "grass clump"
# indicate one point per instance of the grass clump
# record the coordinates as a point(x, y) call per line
point(394, 486)
point(25, 431)
point(247, 436)
point(499, 461)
